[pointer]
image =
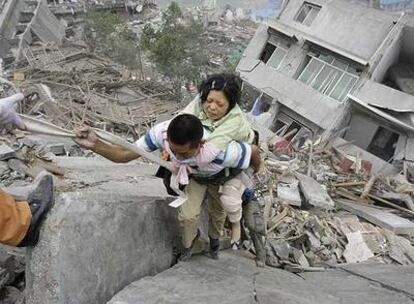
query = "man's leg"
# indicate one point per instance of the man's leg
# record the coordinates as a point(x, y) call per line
point(189, 216)
point(216, 219)
point(15, 219)
point(253, 219)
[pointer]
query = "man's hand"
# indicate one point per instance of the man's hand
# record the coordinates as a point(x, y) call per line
point(86, 137)
point(9, 120)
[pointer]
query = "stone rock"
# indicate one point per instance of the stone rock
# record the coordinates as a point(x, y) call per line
point(11, 295)
point(57, 149)
point(6, 152)
point(314, 242)
point(4, 168)
point(95, 242)
point(399, 278)
point(289, 193)
point(281, 248)
point(31, 142)
point(356, 250)
point(18, 166)
point(300, 257)
point(12, 261)
point(314, 193)
point(234, 279)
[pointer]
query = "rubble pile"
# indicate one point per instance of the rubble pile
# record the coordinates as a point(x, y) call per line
point(322, 208)
point(12, 265)
point(69, 86)
point(226, 43)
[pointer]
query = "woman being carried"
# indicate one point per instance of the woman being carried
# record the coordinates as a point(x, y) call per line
point(217, 108)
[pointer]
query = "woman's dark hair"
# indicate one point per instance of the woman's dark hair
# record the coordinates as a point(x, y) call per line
point(185, 129)
point(230, 84)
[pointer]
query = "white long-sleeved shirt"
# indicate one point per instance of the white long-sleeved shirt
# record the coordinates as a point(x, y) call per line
point(236, 155)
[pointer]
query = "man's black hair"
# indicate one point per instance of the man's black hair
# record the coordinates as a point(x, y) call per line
point(230, 84)
point(185, 129)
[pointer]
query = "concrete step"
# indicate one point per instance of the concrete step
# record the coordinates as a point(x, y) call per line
point(234, 279)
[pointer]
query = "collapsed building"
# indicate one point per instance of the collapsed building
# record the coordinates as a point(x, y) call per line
point(330, 68)
point(24, 22)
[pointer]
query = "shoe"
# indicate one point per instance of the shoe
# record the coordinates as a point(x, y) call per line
point(40, 201)
point(214, 248)
point(186, 253)
point(235, 245)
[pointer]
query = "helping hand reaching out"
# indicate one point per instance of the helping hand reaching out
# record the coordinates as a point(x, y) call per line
point(86, 137)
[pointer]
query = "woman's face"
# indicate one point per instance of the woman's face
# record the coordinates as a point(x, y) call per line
point(216, 105)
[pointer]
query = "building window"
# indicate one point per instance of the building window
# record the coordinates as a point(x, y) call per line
point(383, 143)
point(329, 75)
point(307, 13)
point(273, 55)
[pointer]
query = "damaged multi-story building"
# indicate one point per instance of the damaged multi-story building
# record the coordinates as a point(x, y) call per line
point(23, 22)
point(337, 67)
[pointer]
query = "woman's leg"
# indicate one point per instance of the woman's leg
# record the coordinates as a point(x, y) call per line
point(231, 199)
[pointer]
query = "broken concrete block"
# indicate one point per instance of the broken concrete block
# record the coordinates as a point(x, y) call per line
point(314, 242)
point(356, 250)
point(379, 217)
point(300, 257)
point(6, 152)
point(17, 165)
point(281, 248)
point(289, 193)
point(57, 149)
point(96, 241)
point(399, 248)
point(31, 142)
point(314, 193)
point(3, 168)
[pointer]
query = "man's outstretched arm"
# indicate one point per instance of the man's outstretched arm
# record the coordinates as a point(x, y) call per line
point(87, 138)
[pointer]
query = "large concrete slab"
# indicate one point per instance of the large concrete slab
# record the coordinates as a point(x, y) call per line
point(234, 279)
point(379, 217)
point(115, 228)
point(314, 193)
point(400, 278)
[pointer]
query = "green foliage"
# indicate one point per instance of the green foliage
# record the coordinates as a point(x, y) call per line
point(102, 22)
point(175, 47)
point(234, 58)
point(172, 15)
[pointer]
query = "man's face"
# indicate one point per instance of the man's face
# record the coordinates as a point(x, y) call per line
point(182, 152)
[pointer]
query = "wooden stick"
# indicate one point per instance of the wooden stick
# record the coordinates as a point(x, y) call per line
point(388, 203)
point(278, 219)
point(349, 195)
point(368, 186)
point(349, 184)
point(310, 160)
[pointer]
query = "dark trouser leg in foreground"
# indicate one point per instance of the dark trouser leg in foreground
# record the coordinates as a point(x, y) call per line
point(189, 217)
point(15, 219)
point(20, 221)
point(253, 220)
point(217, 218)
